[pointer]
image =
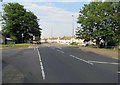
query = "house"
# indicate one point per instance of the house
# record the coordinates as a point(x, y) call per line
point(65, 40)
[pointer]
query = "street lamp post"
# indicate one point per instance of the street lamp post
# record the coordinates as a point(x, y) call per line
point(51, 33)
point(73, 27)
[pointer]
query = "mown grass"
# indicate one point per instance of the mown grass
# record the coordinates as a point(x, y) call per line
point(15, 45)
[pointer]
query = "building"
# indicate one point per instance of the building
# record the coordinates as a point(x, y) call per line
point(65, 40)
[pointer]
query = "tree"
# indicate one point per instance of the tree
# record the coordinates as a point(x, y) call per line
point(99, 21)
point(18, 21)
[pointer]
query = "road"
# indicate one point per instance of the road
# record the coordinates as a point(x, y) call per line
point(57, 63)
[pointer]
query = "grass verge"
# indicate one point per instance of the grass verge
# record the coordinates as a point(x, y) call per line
point(15, 45)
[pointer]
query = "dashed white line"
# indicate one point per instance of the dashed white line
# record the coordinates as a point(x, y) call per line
point(41, 65)
point(118, 72)
point(103, 62)
point(59, 48)
point(115, 58)
point(34, 48)
point(82, 60)
point(60, 51)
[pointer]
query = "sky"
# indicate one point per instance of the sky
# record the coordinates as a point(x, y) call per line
point(55, 17)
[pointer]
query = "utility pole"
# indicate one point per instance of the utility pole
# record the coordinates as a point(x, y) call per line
point(72, 27)
point(51, 33)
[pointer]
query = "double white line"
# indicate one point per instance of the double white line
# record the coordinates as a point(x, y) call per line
point(41, 64)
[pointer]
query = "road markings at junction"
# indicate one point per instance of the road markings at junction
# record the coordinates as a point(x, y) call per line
point(60, 51)
point(82, 60)
point(103, 62)
point(41, 65)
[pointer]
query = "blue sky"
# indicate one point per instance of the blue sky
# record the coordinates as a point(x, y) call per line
point(56, 16)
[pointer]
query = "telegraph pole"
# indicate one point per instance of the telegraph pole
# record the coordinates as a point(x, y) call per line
point(72, 27)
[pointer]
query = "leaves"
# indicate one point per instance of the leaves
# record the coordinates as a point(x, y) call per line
point(18, 21)
point(100, 20)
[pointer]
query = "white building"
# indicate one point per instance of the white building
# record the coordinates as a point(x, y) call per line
point(65, 40)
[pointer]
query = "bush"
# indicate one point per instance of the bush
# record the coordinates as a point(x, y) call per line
point(73, 43)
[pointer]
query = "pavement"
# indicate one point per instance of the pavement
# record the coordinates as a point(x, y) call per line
point(57, 63)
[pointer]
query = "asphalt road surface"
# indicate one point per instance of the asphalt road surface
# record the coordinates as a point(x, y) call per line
point(57, 63)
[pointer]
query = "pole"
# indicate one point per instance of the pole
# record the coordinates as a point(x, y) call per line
point(73, 27)
point(51, 34)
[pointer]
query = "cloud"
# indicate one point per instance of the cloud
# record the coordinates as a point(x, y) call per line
point(47, 0)
point(55, 18)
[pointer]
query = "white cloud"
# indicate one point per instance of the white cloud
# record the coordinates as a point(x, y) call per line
point(50, 16)
point(46, 0)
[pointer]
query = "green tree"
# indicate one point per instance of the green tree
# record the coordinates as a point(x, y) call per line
point(99, 20)
point(18, 21)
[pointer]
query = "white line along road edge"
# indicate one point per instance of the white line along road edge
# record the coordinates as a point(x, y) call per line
point(82, 60)
point(103, 62)
point(41, 65)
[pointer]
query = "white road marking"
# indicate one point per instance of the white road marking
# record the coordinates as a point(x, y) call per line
point(103, 62)
point(59, 48)
point(72, 56)
point(82, 60)
point(41, 65)
point(118, 72)
point(114, 58)
point(60, 51)
point(34, 48)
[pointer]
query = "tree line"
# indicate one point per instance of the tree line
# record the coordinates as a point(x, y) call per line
point(100, 21)
point(19, 24)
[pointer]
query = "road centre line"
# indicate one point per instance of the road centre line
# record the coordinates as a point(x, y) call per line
point(41, 65)
point(82, 60)
point(34, 48)
point(115, 58)
point(87, 61)
point(60, 51)
point(103, 62)
point(118, 72)
point(59, 48)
